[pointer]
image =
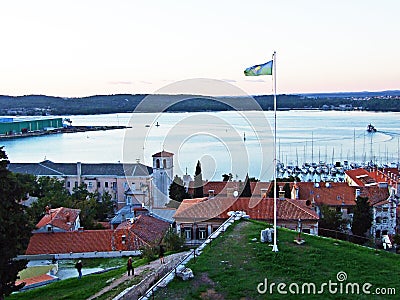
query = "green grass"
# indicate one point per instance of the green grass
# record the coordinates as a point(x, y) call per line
point(234, 265)
point(74, 288)
point(34, 271)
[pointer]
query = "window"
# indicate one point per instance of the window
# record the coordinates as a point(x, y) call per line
point(114, 185)
point(202, 234)
point(128, 200)
point(385, 209)
point(90, 185)
point(123, 239)
point(378, 220)
point(68, 184)
point(164, 163)
point(188, 233)
point(76, 184)
point(133, 186)
point(385, 220)
point(106, 184)
point(98, 184)
point(157, 163)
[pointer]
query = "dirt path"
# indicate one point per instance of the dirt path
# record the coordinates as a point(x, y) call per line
point(141, 271)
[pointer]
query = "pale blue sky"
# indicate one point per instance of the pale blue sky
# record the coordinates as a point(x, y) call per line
point(85, 47)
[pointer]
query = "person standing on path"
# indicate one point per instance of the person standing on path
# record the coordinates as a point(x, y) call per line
point(129, 267)
point(78, 266)
point(161, 254)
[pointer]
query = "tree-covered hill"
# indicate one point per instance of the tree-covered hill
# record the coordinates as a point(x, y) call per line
point(102, 104)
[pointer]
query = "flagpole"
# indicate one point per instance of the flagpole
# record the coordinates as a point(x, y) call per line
point(275, 246)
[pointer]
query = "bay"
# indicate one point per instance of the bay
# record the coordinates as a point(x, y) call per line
point(225, 142)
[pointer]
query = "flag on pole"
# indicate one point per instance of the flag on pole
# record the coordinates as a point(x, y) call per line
point(257, 70)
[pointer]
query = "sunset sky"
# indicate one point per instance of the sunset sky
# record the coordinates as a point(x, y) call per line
point(84, 47)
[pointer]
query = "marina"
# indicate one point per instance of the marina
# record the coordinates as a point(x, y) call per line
point(225, 143)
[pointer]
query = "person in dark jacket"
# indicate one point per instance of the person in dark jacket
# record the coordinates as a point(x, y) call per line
point(161, 254)
point(78, 266)
point(129, 267)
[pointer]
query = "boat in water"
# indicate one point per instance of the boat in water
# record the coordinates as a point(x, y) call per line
point(371, 128)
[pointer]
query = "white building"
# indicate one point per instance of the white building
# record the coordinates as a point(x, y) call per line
point(163, 176)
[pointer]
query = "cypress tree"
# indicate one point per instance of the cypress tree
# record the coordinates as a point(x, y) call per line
point(198, 182)
point(246, 190)
point(362, 218)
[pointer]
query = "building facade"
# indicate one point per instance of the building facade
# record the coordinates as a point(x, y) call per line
point(163, 176)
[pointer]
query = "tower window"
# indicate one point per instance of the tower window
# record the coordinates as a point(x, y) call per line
point(164, 163)
point(157, 163)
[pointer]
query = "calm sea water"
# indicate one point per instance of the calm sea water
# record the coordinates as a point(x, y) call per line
point(224, 142)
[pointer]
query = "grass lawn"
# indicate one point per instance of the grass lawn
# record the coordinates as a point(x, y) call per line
point(75, 288)
point(34, 271)
point(234, 266)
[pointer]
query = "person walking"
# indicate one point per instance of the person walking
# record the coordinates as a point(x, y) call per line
point(129, 267)
point(78, 266)
point(161, 254)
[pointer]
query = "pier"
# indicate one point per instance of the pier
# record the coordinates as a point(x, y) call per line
point(68, 129)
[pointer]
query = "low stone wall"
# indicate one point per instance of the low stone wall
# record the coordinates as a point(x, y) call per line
point(96, 254)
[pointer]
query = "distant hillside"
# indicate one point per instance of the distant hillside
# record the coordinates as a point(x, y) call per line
point(354, 94)
point(103, 104)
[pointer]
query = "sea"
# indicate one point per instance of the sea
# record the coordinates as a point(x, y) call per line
point(236, 142)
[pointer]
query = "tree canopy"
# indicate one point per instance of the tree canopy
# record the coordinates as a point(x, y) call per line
point(177, 190)
point(362, 218)
point(15, 228)
point(331, 219)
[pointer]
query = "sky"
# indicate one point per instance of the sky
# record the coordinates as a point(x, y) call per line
point(74, 48)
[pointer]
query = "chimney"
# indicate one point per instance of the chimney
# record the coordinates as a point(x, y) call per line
point(79, 172)
point(263, 193)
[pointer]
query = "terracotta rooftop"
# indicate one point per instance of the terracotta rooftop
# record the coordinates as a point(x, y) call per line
point(61, 217)
point(146, 230)
point(163, 154)
point(71, 241)
point(364, 177)
point(45, 278)
point(222, 188)
point(257, 208)
point(338, 193)
point(150, 229)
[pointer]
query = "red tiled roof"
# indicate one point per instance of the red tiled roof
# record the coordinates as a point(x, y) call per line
point(150, 229)
point(146, 230)
point(256, 208)
point(163, 154)
point(375, 194)
point(37, 279)
point(70, 241)
point(332, 194)
point(363, 177)
point(61, 217)
point(221, 187)
point(339, 193)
